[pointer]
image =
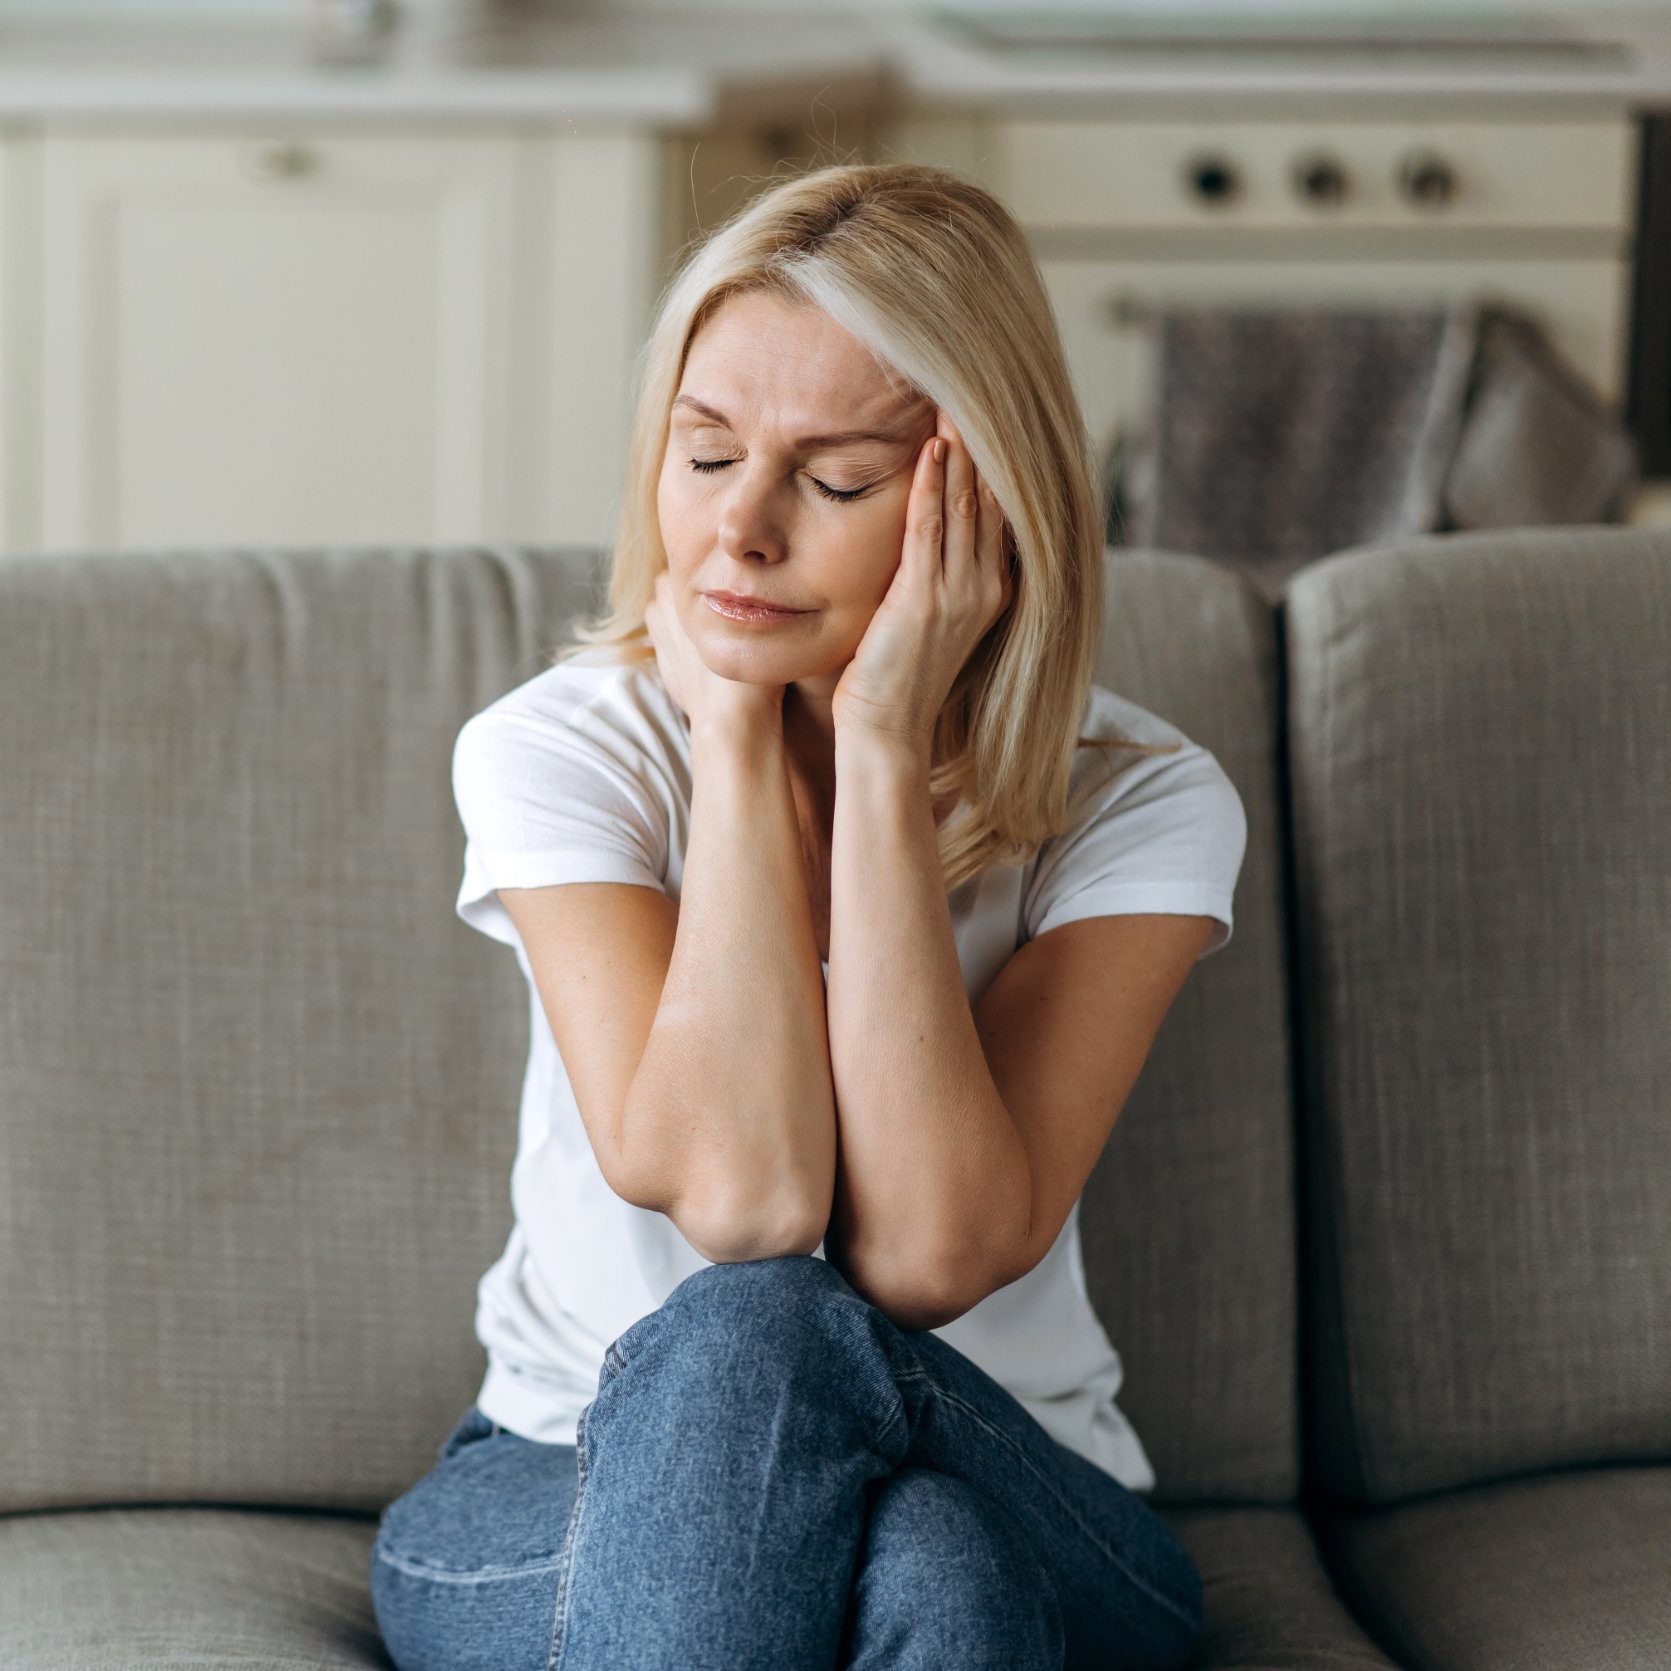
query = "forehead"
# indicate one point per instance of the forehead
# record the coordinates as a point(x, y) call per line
point(761, 360)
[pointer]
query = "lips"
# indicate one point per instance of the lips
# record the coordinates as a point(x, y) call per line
point(744, 601)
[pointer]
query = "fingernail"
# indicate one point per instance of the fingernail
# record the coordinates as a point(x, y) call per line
point(939, 452)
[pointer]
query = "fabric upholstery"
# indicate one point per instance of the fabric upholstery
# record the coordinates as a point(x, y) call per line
point(1544, 1573)
point(1381, 1233)
point(1189, 1214)
point(259, 1087)
point(151, 1589)
point(1481, 780)
point(257, 1083)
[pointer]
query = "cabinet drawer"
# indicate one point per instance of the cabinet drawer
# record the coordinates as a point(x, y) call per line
point(1250, 174)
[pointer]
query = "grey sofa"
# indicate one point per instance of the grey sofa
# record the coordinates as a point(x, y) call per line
point(1383, 1234)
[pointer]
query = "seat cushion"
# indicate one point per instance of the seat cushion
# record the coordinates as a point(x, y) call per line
point(132, 1588)
point(1565, 1571)
point(1268, 1601)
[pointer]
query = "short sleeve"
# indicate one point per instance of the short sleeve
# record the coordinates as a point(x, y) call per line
point(1165, 835)
point(548, 800)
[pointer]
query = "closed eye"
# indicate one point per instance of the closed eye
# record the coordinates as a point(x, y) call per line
point(835, 493)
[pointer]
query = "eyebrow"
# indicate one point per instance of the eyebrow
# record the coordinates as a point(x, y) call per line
point(835, 438)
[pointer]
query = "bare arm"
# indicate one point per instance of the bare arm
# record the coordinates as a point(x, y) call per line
point(933, 1171)
point(729, 1123)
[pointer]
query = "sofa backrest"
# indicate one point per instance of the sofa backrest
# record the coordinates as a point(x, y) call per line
point(1188, 1221)
point(257, 1083)
point(259, 1086)
point(1480, 731)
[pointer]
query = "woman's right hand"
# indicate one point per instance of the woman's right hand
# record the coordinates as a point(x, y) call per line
point(697, 689)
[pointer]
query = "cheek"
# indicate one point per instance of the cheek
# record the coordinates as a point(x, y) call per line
point(876, 553)
point(670, 507)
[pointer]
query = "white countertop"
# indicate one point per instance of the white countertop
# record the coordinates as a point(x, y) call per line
point(684, 67)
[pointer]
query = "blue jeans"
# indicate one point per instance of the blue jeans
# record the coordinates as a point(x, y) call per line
point(774, 1477)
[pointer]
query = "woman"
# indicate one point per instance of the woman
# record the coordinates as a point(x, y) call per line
point(805, 1373)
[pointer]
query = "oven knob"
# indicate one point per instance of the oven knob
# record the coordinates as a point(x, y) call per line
point(1426, 179)
point(1212, 178)
point(1319, 178)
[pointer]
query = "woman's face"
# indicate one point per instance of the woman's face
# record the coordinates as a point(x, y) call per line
point(750, 516)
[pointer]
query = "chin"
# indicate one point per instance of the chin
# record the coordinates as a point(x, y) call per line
point(748, 664)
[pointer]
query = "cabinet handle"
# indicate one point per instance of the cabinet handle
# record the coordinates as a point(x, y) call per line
point(1426, 179)
point(282, 161)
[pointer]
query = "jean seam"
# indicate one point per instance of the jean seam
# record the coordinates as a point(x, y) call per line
point(895, 1416)
point(1049, 1485)
point(565, 1558)
point(457, 1575)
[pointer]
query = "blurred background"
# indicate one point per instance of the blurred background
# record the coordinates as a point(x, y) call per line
point(334, 272)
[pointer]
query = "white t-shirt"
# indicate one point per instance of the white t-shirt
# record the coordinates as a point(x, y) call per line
point(583, 774)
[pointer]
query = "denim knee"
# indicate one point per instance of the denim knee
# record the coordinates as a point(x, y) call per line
point(786, 1281)
point(948, 1577)
point(777, 1323)
point(782, 1307)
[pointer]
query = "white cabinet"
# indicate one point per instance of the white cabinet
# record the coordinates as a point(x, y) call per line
point(326, 330)
point(297, 334)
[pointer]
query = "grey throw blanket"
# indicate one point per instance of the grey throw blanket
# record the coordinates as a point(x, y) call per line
point(1279, 436)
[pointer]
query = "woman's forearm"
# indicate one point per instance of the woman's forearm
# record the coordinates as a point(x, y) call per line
point(731, 1113)
point(933, 1172)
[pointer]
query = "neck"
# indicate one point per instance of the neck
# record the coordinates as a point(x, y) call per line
point(809, 735)
point(809, 732)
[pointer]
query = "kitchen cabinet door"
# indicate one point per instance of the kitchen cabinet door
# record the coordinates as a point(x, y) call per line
point(19, 333)
point(297, 337)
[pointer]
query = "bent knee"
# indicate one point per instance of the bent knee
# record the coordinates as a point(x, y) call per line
point(786, 1280)
point(956, 1571)
point(791, 1306)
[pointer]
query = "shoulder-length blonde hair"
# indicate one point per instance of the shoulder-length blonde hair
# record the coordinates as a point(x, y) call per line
point(922, 266)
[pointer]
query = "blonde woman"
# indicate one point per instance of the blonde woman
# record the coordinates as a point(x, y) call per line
point(849, 908)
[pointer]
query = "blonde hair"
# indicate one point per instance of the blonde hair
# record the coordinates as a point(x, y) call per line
point(919, 263)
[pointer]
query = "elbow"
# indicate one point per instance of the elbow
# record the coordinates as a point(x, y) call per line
point(921, 1312)
point(922, 1289)
point(913, 1295)
point(726, 1231)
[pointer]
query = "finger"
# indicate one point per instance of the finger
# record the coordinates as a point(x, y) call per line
point(994, 555)
point(962, 507)
point(925, 517)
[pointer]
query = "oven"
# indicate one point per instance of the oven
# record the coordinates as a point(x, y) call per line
point(1537, 210)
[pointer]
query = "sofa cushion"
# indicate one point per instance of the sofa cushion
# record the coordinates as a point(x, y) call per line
point(258, 1086)
point(1542, 1574)
point(91, 1590)
point(1187, 1224)
point(1268, 1602)
point(1480, 784)
point(83, 1590)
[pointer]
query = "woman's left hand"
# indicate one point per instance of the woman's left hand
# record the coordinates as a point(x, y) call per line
point(953, 582)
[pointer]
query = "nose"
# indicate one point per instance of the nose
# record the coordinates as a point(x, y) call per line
point(748, 528)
